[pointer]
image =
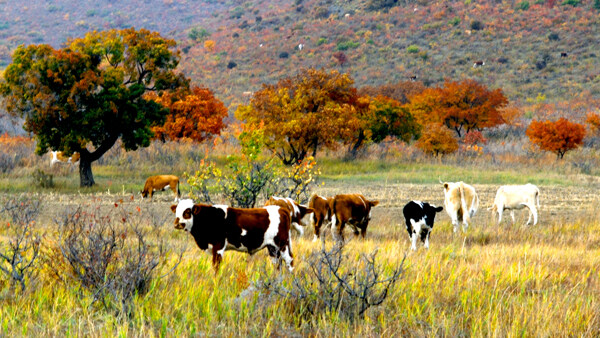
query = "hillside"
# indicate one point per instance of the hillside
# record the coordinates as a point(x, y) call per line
point(529, 48)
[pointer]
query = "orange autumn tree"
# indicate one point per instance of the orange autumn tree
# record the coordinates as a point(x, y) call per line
point(437, 140)
point(194, 114)
point(303, 113)
point(558, 137)
point(461, 106)
point(593, 120)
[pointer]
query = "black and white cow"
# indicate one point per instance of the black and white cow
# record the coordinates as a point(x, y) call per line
point(419, 218)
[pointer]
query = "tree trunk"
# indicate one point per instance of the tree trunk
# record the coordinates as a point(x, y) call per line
point(86, 177)
point(357, 145)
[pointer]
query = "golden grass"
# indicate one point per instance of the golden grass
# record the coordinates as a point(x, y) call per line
point(504, 280)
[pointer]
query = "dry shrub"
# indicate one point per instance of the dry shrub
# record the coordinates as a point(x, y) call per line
point(19, 253)
point(336, 283)
point(112, 254)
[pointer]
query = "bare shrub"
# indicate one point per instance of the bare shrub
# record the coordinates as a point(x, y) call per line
point(19, 253)
point(112, 253)
point(335, 283)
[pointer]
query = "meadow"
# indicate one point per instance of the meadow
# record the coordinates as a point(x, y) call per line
point(492, 280)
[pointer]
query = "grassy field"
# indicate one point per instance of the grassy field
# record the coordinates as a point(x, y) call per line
point(493, 280)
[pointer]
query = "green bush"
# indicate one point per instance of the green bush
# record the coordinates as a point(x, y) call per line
point(42, 179)
point(347, 45)
point(454, 21)
point(412, 49)
point(321, 41)
point(573, 3)
point(250, 176)
point(524, 5)
point(198, 34)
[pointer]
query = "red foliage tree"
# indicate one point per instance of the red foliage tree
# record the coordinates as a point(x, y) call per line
point(195, 114)
point(465, 105)
point(558, 137)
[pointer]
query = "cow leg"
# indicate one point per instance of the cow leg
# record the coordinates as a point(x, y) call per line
point(416, 230)
point(275, 255)
point(500, 211)
point(317, 224)
point(287, 255)
point(532, 211)
point(512, 215)
point(455, 223)
point(217, 253)
point(427, 240)
point(363, 231)
point(337, 228)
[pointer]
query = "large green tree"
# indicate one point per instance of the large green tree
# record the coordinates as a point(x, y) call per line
point(85, 96)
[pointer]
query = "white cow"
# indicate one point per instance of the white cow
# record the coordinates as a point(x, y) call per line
point(461, 203)
point(516, 197)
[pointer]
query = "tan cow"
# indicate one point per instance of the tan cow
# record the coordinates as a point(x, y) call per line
point(59, 157)
point(516, 197)
point(353, 209)
point(161, 183)
point(299, 213)
point(321, 212)
point(461, 203)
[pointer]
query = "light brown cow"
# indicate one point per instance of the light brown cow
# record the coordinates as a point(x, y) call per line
point(299, 213)
point(220, 228)
point(461, 202)
point(59, 157)
point(161, 183)
point(353, 209)
point(321, 213)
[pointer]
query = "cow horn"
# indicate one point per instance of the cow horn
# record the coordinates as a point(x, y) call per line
point(440, 179)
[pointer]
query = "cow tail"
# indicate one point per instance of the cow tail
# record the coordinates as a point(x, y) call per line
point(463, 204)
point(537, 197)
point(178, 191)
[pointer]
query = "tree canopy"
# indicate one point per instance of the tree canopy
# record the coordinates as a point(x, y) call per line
point(462, 106)
point(194, 114)
point(299, 114)
point(557, 136)
point(87, 95)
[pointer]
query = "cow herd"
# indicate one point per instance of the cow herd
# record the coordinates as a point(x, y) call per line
point(218, 228)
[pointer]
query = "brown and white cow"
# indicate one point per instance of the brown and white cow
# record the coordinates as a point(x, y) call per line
point(220, 228)
point(461, 202)
point(299, 214)
point(161, 183)
point(59, 157)
point(516, 197)
point(321, 207)
point(353, 209)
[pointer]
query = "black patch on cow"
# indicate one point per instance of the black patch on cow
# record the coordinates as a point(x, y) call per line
point(417, 211)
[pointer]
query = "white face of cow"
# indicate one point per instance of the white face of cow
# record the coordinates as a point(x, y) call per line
point(184, 217)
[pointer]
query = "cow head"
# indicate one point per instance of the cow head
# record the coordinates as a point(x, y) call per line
point(144, 194)
point(304, 214)
point(430, 210)
point(184, 214)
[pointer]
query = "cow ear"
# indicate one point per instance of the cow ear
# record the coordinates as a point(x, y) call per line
point(373, 203)
point(195, 210)
point(438, 209)
point(174, 207)
point(446, 186)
